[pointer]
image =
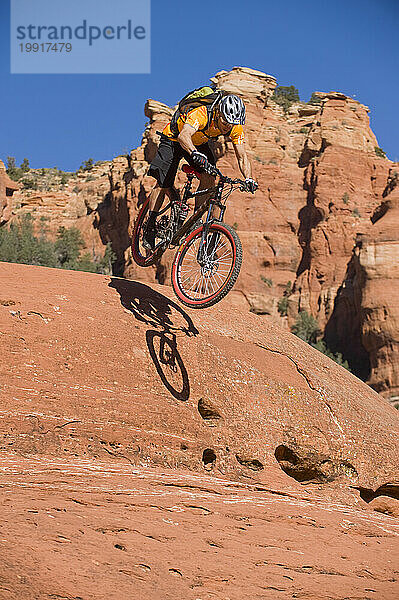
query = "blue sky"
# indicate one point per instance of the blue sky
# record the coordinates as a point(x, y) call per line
point(345, 45)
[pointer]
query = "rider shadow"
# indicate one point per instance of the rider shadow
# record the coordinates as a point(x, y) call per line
point(167, 319)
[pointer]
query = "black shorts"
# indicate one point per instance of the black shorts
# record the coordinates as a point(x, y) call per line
point(165, 164)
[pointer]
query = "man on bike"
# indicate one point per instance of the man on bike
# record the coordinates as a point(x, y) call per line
point(192, 131)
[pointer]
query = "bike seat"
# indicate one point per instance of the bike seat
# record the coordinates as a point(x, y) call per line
point(190, 171)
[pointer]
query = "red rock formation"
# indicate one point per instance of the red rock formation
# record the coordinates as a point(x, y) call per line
point(368, 299)
point(322, 188)
point(7, 188)
point(151, 452)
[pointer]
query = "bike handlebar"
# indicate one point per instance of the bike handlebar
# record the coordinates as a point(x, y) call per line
point(212, 170)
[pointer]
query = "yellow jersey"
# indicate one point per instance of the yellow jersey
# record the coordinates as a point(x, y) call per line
point(198, 118)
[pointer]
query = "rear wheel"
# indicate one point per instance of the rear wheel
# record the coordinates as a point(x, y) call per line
point(142, 253)
point(203, 276)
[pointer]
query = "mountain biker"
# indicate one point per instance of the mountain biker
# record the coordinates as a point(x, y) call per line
point(190, 140)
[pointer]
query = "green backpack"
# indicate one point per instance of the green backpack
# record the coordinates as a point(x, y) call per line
point(207, 96)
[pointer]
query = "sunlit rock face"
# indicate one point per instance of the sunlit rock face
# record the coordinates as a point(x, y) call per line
point(325, 198)
point(155, 452)
point(7, 188)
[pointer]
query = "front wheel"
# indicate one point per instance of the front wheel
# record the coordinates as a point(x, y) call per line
point(203, 274)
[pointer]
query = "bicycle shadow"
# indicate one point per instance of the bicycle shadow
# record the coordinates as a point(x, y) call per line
point(167, 319)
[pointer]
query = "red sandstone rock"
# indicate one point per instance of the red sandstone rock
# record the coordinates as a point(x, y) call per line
point(388, 506)
point(321, 188)
point(7, 188)
point(151, 452)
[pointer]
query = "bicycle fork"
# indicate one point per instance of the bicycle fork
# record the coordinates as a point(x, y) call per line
point(208, 246)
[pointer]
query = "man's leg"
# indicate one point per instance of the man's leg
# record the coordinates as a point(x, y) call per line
point(155, 202)
point(163, 168)
point(157, 197)
point(206, 181)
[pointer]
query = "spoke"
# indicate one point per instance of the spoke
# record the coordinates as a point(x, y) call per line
point(214, 252)
point(192, 281)
point(187, 274)
point(227, 252)
point(220, 277)
point(203, 283)
point(200, 285)
point(224, 269)
point(213, 289)
point(206, 285)
point(194, 287)
point(223, 262)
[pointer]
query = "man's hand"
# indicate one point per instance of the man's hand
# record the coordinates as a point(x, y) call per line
point(199, 159)
point(251, 185)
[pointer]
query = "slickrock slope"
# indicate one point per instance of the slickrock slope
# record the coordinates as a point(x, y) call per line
point(151, 452)
point(324, 185)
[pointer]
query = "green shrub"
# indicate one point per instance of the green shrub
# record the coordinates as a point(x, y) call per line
point(267, 280)
point(25, 165)
point(314, 99)
point(306, 327)
point(282, 306)
point(87, 165)
point(19, 244)
point(11, 164)
point(105, 263)
point(285, 96)
point(380, 152)
point(29, 183)
point(304, 130)
point(336, 357)
point(13, 171)
point(68, 246)
point(345, 198)
point(288, 289)
point(355, 212)
point(85, 263)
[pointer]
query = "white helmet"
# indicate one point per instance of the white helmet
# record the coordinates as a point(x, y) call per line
point(232, 109)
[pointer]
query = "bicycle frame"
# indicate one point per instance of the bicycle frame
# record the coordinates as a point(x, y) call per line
point(206, 206)
point(214, 200)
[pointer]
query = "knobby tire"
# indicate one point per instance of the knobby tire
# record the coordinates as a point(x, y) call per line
point(194, 289)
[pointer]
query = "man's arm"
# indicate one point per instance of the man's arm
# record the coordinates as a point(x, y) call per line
point(243, 160)
point(184, 138)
